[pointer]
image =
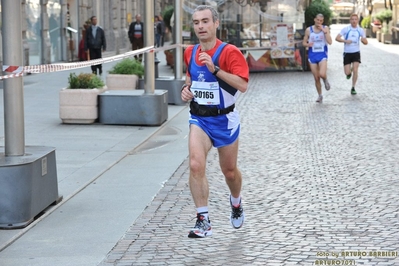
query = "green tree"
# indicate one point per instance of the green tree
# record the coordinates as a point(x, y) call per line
point(167, 15)
point(318, 7)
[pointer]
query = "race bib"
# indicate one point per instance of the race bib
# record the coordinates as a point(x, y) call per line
point(318, 46)
point(205, 93)
point(354, 38)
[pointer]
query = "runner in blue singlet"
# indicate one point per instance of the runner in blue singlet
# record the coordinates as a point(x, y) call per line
point(316, 39)
point(216, 75)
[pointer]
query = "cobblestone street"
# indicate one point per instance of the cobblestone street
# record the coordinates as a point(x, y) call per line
point(319, 179)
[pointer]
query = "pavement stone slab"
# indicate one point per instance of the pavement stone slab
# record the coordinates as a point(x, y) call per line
point(318, 179)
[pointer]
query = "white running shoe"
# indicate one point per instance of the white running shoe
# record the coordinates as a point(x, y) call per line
point(202, 228)
point(237, 216)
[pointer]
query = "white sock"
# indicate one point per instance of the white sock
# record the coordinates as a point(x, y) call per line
point(235, 201)
point(203, 211)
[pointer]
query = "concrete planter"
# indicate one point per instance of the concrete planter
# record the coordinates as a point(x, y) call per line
point(122, 82)
point(378, 35)
point(386, 38)
point(79, 106)
point(368, 33)
point(170, 61)
point(172, 85)
point(133, 107)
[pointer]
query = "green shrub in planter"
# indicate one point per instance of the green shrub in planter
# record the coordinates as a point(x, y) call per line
point(84, 81)
point(167, 15)
point(128, 66)
point(317, 7)
point(366, 22)
point(385, 15)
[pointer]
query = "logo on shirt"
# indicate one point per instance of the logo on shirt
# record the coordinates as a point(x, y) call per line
point(201, 77)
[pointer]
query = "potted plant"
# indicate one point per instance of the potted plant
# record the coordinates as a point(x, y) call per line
point(79, 101)
point(169, 56)
point(386, 17)
point(125, 75)
point(366, 25)
point(378, 22)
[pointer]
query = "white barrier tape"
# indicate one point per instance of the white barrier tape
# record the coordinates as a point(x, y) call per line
point(12, 69)
point(12, 76)
point(18, 71)
point(173, 46)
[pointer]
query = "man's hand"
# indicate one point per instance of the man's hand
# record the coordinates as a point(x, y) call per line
point(206, 59)
point(186, 94)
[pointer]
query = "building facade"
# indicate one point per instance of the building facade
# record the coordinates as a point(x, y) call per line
point(52, 29)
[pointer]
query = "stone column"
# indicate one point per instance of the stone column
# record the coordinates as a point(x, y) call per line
point(46, 45)
point(25, 44)
point(157, 7)
point(1, 42)
point(116, 24)
point(123, 25)
point(85, 7)
point(64, 39)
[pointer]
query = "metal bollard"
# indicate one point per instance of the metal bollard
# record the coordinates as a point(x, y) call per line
point(156, 62)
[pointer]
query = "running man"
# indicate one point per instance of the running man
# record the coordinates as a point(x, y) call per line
point(350, 36)
point(316, 38)
point(216, 74)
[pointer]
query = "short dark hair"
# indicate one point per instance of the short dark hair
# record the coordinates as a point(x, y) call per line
point(92, 17)
point(215, 14)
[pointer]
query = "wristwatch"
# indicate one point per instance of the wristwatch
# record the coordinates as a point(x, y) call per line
point(216, 70)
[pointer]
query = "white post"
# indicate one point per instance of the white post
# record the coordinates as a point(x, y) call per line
point(14, 129)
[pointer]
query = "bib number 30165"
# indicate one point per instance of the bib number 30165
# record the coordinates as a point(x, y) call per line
point(206, 93)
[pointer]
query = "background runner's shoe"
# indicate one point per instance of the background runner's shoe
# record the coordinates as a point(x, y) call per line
point(353, 91)
point(202, 228)
point(319, 99)
point(350, 75)
point(327, 84)
point(237, 216)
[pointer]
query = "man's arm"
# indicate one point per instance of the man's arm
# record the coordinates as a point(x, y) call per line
point(326, 31)
point(130, 32)
point(186, 94)
point(363, 38)
point(233, 69)
point(306, 38)
point(233, 80)
point(86, 41)
point(340, 39)
point(142, 30)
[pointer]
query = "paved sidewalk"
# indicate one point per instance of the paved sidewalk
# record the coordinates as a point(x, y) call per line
point(86, 156)
point(319, 179)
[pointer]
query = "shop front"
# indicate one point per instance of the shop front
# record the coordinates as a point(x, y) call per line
point(269, 33)
point(35, 35)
